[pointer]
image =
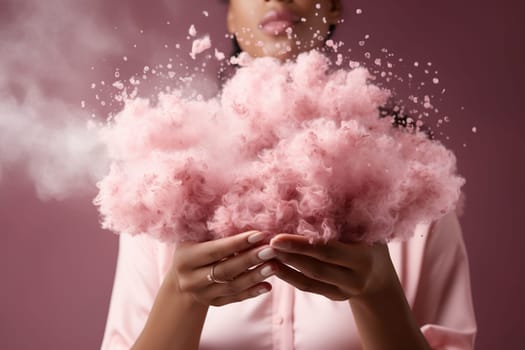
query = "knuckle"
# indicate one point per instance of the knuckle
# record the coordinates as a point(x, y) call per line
point(241, 245)
point(215, 255)
point(230, 289)
point(228, 276)
point(252, 259)
point(184, 284)
point(225, 274)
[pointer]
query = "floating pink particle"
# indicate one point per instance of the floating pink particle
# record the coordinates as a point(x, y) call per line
point(243, 59)
point(354, 64)
point(339, 60)
point(219, 55)
point(200, 45)
point(192, 31)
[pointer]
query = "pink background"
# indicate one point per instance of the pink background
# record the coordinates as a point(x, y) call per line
point(57, 264)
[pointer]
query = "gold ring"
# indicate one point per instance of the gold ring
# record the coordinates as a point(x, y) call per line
point(211, 276)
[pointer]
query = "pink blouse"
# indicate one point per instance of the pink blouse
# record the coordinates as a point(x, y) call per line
point(432, 267)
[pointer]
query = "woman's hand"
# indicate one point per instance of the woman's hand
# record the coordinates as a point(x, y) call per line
point(337, 270)
point(179, 311)
point(361, 273)
point(238, 263)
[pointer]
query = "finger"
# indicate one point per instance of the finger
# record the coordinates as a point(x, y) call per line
point(351, 255)
point(249, 293)
point(306, 284)
point(230, 268)
point(314, 269)
point(245, 281)
point(206, 253)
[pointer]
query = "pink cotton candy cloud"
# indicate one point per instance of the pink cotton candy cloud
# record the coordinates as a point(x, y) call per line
point(296, 147)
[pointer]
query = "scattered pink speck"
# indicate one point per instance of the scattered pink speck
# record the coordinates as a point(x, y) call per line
point(474, 129)
point(354, 64)
point(200, 45)
point(192, 31)
point(332, 44)
point(339, 59)
point(219, 55)
point(118, 85)
point(242, 60)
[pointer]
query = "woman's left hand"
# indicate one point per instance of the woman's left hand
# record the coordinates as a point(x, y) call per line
point(337, 270)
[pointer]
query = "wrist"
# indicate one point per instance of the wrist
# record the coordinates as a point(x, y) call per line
point(175, 320)
point(374, 299)
point(385, 321)
point(187, 300)
point(383, 284)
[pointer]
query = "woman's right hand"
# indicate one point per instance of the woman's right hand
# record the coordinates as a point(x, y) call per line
point(242, 260)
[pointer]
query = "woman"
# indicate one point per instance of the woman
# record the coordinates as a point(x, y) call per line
point(246, 292)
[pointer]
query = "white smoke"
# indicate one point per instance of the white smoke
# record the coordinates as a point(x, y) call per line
point(53, 144)
point(50, 54)
point(45, 45)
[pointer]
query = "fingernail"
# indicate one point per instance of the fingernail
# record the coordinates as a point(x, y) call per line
point(262, 291)
point(266, 254)
point(266, 271)
point(256, 237)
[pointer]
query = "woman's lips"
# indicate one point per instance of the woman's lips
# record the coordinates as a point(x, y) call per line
point(275, 22)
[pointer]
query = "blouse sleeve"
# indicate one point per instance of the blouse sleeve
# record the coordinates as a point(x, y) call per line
point(443, 302)
point(136, 283)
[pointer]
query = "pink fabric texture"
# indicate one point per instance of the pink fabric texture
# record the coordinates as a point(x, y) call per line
point(296, 147)
point(432, 267)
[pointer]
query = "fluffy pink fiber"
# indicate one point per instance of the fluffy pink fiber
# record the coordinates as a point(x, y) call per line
point(293, 148)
